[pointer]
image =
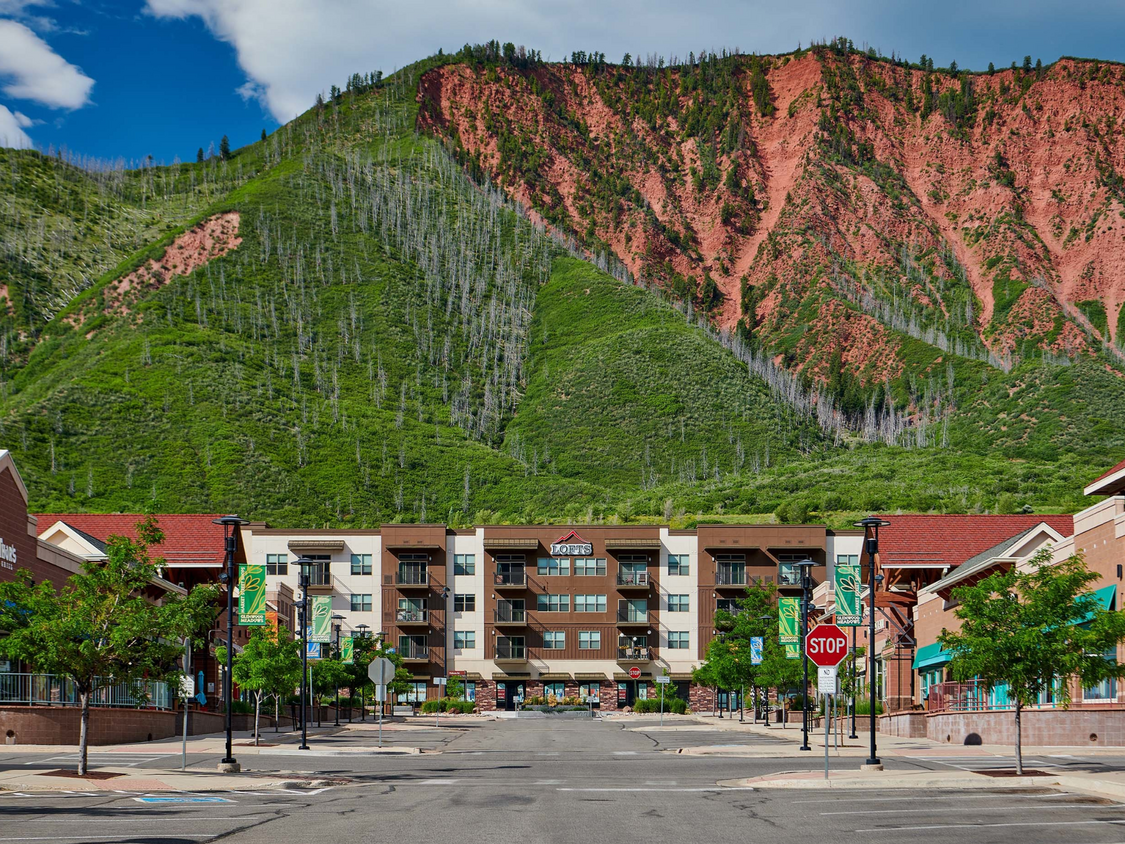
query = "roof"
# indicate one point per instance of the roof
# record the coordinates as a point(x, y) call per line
point(946, 541)
point(1108, 483)
point(982, 562)
point(189, 540)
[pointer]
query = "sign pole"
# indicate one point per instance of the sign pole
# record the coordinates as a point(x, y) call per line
point(827, 702)
point(661, 704)
point(187, 673)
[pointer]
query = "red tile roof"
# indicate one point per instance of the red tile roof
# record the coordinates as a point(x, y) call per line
point(949, 540)
point(1105, 475)
point(188, 539)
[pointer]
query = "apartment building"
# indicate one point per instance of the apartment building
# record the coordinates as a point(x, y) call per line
point(569, 610)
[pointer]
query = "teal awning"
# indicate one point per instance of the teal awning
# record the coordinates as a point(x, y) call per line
point(929, 656)
point(1104, 598)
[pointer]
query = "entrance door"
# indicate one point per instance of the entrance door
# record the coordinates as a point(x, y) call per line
point(513, 695)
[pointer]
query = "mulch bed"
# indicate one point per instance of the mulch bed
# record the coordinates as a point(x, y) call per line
point(90, 775)
point(1012, 773)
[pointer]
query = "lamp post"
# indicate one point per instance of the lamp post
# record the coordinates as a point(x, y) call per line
point(336, 629)
point(445, 632)
point(362, 628)
point(766, 691)
point(853, 735)
point(806, 584)
point(230, 524)
point(303, 605)
point(871, 527)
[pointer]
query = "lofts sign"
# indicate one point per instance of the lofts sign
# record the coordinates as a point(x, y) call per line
point(571, 545)
point(7, 555)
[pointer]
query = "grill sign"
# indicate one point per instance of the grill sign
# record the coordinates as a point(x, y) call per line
point(571, 545)
point(7, 555)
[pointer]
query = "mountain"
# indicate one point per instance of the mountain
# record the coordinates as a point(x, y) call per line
point(455, 295)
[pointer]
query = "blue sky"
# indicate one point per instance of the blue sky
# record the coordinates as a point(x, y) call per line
point(130, 78)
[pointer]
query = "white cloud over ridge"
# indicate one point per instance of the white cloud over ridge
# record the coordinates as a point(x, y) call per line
point(31, 70)
point(12, 125)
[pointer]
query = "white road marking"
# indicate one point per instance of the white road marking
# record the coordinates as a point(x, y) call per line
point(989, 825)
point(659, 782)
point(917, 799)
point(659, 790)
point(624, 753)
point(177, 836)
point(426, 782)
point(987, 809)
point(549, 782)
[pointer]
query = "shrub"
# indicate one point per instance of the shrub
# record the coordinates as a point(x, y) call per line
point(673, 705)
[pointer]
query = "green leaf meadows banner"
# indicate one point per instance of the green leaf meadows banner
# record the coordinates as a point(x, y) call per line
point(347, 650)
point(789, 621)
point(848, 611)
point(792, 651)
point(321, 618)
point(252, 596)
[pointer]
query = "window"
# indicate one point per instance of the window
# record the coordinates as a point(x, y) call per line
point(464, 603)
point(678, 603)
point(361, 564)
point(465, 640)
point(679, 640)
point(590, 640)
point(558, 690)
point(415, 693)
point(589, 603)
point(624, 641)
point(361, 603)
point(552, 566)
point(277, 564)
point(320, 574)
point(589, 692)
point(552, 603)
point(678, 564)
point(847, 559)
point(464, 564)
point(1107, 688)
point(590, 566)
point(470, 692)
point(930, 679)
point(554, 640)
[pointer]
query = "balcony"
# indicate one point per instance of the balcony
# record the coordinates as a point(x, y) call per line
point(629, 581)
point(514, 579)
point(508, 650)
point(505, 615)
point(415, 577)
point(407, 618)
point(638, 654)
point(413, 652)
point(631, 617)
point(730, 577)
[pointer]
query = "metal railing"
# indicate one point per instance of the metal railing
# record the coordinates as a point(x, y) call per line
point(408, 616)
point(972, 696)
point(725, 576)
point(638, 654)
point(507, 614)
point(629, 615)
point(412, 650)
point(788, 576)
point(632, 578)
point(413, 576)
point(507, 649)
point(510, 578)
point(52, 690)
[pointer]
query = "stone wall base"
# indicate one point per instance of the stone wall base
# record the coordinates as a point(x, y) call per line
point(1093, 727)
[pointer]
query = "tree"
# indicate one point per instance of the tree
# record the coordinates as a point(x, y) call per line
point(263, 134)
point(199, 156)
point(1027, 64)
point(364, 651)
point(269, 666)
point(1029, 629)
point(100, 629)
point(991, 68)
point(454, 688)
point(224, 148)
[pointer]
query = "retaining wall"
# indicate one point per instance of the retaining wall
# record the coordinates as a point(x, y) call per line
point(1092, 727)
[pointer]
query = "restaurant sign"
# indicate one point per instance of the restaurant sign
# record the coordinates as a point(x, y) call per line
point(571, 545)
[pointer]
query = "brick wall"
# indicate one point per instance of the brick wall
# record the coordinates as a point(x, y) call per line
point(1093, 727)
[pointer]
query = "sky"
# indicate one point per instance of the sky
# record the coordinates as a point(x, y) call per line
point(125, 79)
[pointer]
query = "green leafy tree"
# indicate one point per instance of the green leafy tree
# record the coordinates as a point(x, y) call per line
point(224, 148)
point(1026, 629)
point(365, 651)
point(100, 629)
point(454, 688)
point(269, 666)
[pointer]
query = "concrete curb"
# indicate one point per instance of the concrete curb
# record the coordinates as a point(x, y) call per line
point(889, 779)
point(341, 751)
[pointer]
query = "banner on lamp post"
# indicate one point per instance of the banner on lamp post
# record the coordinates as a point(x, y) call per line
point(849, 613)
point(789, 620)
point(347, 650)
point(792, 651)
point(321, 619)
point(252, 596)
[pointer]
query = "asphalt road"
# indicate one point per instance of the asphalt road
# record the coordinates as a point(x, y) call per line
point(561, 781)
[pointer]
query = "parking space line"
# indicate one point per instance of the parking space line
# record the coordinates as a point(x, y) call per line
point(880, 799)
point(989, 825)
point(1051, 807)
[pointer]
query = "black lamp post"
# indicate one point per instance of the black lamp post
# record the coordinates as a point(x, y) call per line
point(303, 605)
point(362, 628)
point(871, 527)
point(853, 735)
point(336, 629)
point(445, 632)
point(230, 524)
point(767, 691)
point(806, 586)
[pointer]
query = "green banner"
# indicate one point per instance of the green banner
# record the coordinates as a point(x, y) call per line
point(792, 651)
point(321, 627)
point(789, 620)
point(347, 650)
point(848, 611)
point(252, 596)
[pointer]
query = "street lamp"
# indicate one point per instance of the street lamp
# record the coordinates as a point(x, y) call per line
point(445, 632)
point(362, 628)
point(336, 628)
point(806, 585)
point(230, 524)
point(303, 605)
point(754, 687)
point(871, 527)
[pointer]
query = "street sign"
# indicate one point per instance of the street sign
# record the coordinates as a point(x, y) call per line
point(635, 673)
point(664, 679)
point(381, 671)
point(826, 680)
point(826, 645)
point(380, 695)
point(439, 681)
point(756, 645)
point(187, 686)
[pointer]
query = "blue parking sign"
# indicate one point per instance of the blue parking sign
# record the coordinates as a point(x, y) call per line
point(755, 650)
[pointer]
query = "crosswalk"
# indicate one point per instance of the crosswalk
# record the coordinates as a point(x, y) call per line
point(110, 759)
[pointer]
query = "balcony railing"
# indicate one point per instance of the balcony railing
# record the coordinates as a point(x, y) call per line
point(787, 576)
point(506, 614)
point(51, 690)
point(412, 616)
point(972, 696)
point(638, 654)
point(412, 577)
point(509, 650)
point(510, 578)
point(629, 615)
point(413, 650)
point(632, 578)
point(730, 577)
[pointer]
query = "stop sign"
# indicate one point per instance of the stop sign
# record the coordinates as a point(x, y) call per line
point(826, 645)
point(635, 673)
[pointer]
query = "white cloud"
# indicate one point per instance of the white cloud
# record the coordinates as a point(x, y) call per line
point(33, 71)
point(12, 125)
